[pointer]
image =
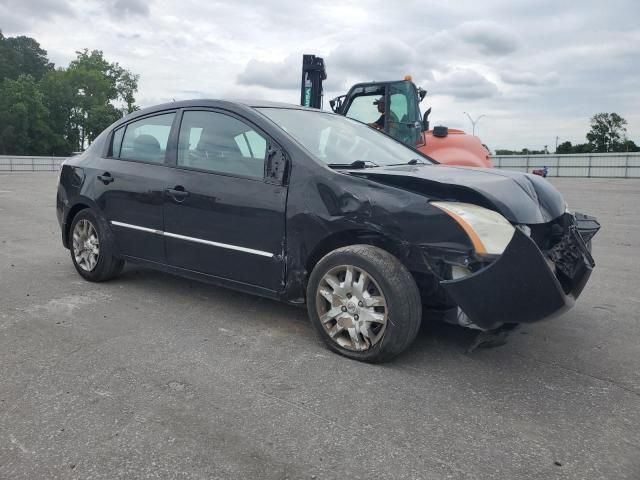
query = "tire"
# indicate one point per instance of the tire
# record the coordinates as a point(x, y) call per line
point(91, 266)
point(371, 318)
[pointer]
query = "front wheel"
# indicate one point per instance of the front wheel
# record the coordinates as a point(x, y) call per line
point(364, 303)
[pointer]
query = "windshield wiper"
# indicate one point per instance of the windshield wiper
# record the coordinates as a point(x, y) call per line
point(413, 161)
point(358, 164)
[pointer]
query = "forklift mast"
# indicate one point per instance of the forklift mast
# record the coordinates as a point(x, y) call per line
point(313, 73)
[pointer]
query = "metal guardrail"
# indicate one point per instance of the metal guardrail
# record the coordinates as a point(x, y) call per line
point(589, 165)
point(10, 163)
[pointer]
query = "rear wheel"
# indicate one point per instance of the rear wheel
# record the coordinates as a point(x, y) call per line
point(364, 303)
point(92, 248)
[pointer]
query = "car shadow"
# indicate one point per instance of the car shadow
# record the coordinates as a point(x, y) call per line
point(169, 284)
point(434, 336)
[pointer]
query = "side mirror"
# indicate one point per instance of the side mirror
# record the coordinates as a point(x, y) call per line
point(336, 103)
point(277, 166)
point(425, 120)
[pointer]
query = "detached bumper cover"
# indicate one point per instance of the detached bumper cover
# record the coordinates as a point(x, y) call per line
point(521, 286)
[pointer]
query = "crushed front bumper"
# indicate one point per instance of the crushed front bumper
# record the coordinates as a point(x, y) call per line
point(525, 285)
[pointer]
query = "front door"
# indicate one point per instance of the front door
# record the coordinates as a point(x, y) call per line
point(222, 217)
point(130, 186)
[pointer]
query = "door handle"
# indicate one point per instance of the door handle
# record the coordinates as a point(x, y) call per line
point(106, 178)
point(178, 193)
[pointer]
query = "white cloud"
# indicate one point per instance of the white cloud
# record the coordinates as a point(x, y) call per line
point(488, 37)
point(529, 78)
point(277, 75)
point(465, 84)
point(123, 8)
point(536, 68)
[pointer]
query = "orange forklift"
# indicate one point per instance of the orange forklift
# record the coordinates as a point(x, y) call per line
point(394, 107)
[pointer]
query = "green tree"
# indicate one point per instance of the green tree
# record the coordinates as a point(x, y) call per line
point(629, 146)
point(607, 132)
point(22, 56)
point(127, 87)
point(98, 85)
point(59, 98)
point(583, 148)
point(56, 111)
point(564, 147)
point(24, 127)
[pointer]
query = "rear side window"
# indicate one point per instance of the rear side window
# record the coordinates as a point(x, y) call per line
point(146, 140)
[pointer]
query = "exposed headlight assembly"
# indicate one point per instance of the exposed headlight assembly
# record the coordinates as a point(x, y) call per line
point(489, 232)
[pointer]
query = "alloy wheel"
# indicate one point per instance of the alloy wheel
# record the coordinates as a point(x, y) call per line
point(352, 308)
point(86, 246)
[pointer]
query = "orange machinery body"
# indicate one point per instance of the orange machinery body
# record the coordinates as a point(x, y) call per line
point(456, 148)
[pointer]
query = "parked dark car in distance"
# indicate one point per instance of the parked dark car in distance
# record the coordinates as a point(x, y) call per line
point(313, 208)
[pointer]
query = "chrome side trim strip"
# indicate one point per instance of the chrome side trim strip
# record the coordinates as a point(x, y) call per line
point(217, 244)
point(136, 227)
point(193, 239)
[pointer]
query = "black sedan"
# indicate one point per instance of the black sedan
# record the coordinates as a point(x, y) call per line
point(313, 208)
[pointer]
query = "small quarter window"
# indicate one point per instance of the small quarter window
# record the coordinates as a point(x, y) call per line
point(116, 143)
point(146, 140)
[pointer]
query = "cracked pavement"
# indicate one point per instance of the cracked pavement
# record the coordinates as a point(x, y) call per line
point(154, 376)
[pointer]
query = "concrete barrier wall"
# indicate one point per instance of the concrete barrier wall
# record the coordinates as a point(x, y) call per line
point(597, 165)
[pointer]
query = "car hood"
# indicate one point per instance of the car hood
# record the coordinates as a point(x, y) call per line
point(519, 197)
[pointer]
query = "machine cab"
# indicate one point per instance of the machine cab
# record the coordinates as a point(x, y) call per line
point(392, 107)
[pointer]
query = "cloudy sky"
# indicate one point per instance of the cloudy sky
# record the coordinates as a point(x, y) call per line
point(536, 69)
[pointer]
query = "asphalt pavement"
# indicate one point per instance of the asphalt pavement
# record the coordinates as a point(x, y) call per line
point(154, 376)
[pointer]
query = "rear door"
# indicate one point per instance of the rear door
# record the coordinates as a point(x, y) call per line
point(222, 216)
point(130, 185)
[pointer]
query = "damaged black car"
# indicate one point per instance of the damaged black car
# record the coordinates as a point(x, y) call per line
point(313, 208)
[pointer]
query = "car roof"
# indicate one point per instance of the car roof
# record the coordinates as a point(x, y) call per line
point(209, 102)
point(213, 103)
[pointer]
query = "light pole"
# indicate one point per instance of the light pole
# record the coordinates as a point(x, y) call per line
point(473, 122)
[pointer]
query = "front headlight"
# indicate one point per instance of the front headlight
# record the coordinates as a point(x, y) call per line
point(489, 232)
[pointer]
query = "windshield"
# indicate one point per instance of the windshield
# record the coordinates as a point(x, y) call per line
point(337, 140)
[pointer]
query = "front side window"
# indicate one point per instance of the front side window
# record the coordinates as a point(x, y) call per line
point(218, 143)
point(251, 144)
point(146, 140)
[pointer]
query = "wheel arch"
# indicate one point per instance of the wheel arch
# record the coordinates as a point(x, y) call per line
point(427, 282)
point(80, 204)
point(352, 237)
